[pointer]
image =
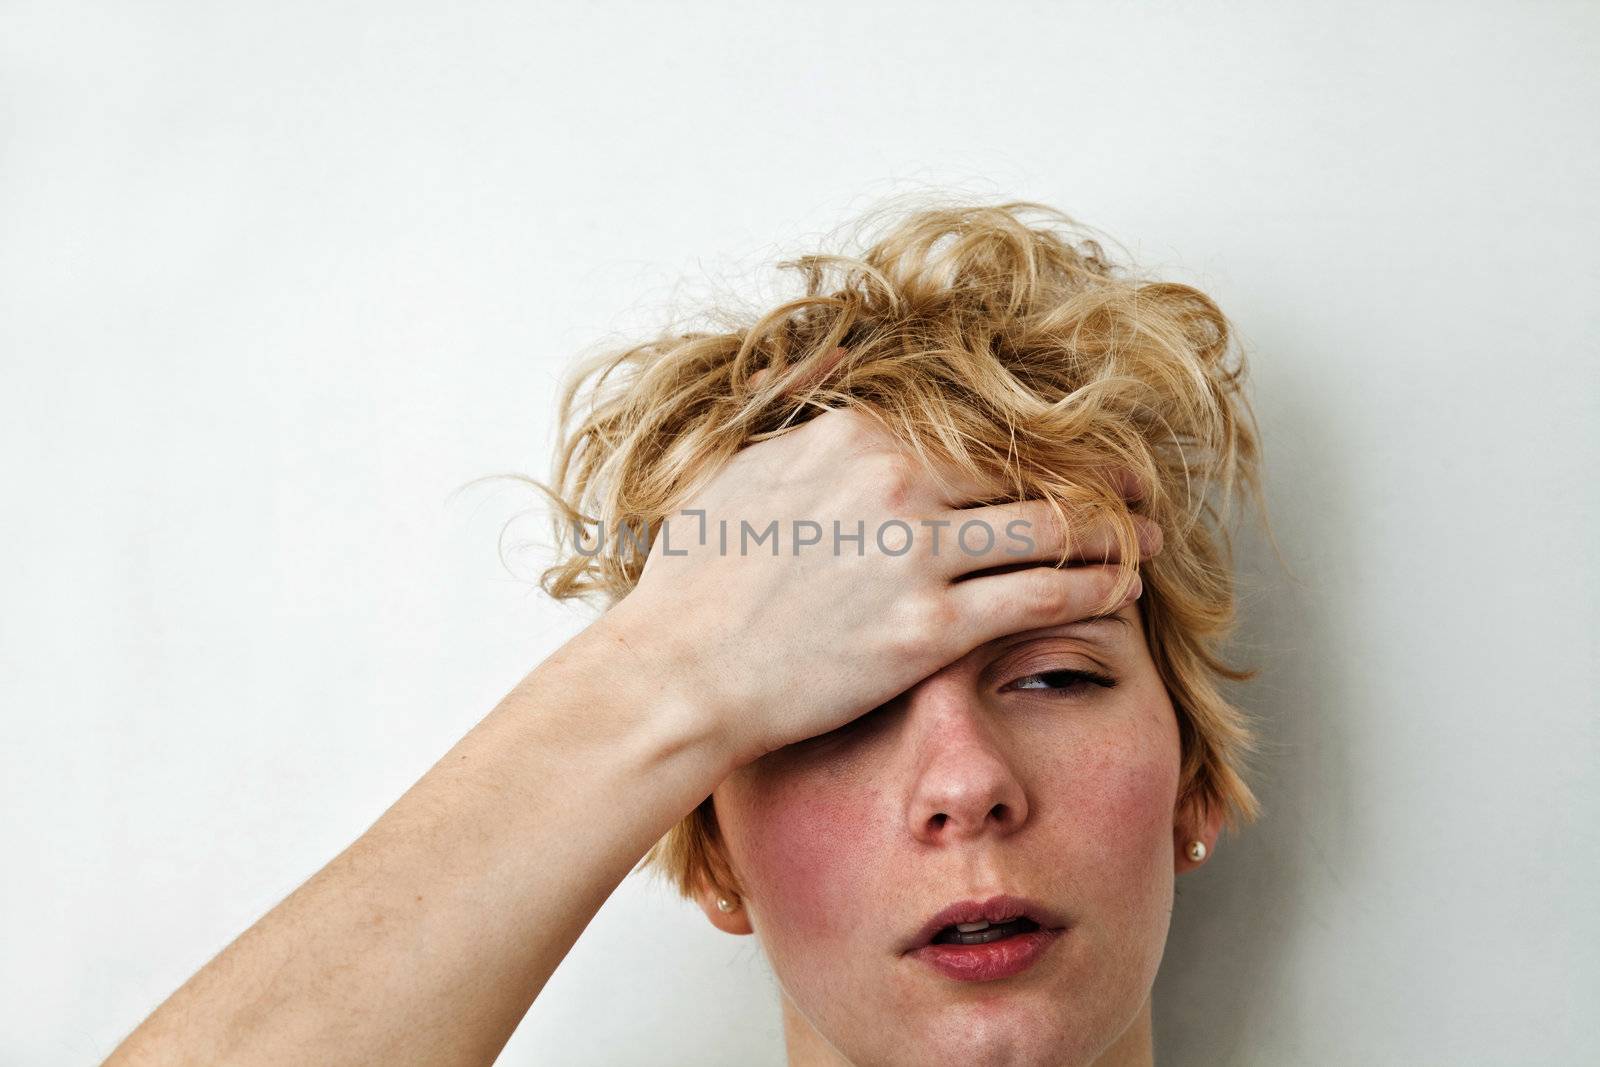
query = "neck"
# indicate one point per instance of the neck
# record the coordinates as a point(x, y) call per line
point(1136, 1047)
point(807, 1048)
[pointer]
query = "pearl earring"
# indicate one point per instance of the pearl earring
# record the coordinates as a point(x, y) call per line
point(724, 904)
point(1197, 850)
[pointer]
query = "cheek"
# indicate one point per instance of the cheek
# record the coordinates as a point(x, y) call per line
point(804, 848)
point(1118, 797)
point(1127, 789)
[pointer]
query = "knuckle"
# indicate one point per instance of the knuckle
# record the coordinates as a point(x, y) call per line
point(1045, 593)
point(944, 616)
point(831, 427)
point(1041, 527)
point(1105, 585)
point(895, 478)
point(841, 424)
point(1151, 537)
point(928, 620)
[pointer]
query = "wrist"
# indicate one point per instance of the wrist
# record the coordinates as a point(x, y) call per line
point(635, 667)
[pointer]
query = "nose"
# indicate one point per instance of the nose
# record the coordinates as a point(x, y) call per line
point(965, 783)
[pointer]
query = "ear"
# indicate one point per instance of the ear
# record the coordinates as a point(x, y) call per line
point(715, 879)
point(1195, 822)
point(736, 921)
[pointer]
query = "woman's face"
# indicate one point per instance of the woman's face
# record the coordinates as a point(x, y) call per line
point(1015, 770)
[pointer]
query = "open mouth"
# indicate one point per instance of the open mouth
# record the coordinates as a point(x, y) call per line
point(985, 950)
point(998, 919)
point(982, 933)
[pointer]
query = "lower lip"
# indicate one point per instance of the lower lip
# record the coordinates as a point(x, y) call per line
point(985, 963)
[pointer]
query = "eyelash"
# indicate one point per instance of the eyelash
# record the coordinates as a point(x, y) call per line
point(1075, 677)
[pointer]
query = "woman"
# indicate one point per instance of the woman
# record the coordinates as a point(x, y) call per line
point(916, 586)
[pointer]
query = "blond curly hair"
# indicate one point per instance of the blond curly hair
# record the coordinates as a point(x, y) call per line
point(996, 337)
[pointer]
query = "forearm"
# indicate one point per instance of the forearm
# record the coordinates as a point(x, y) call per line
point(429, 937)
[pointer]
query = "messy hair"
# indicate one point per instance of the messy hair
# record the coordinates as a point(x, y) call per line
point(998, 338)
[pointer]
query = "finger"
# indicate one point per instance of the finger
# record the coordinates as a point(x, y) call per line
point(1029, 531)
point(993, 606)
point(820, 370)
point(1128, 484)
point(1123, 481)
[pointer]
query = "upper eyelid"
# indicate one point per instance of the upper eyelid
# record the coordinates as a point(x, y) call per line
point(1072, 668)
point(1055, 645)
point(1003, 673)
point(1101, 638)
point(1074, 678)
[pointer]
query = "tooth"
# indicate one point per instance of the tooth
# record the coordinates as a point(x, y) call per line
point(968, 928)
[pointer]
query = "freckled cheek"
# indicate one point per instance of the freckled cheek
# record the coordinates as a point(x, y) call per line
point(805, 854)
point(1142, 794)
point(1122, 805)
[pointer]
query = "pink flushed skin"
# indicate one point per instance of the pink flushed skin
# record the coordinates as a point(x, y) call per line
point(990, 962)
point(844, 846)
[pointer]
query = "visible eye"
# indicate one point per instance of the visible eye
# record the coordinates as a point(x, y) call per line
point(1064, 681)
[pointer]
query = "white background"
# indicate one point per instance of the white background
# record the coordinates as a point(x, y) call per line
point(276, 279)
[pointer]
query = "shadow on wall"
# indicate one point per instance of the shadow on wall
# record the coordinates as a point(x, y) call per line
point(1224, 992)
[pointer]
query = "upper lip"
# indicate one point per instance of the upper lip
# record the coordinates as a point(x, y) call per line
point(994, 909)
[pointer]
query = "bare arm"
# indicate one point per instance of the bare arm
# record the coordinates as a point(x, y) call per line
point(427, 940)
